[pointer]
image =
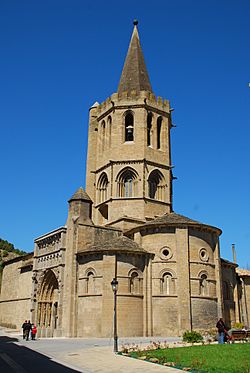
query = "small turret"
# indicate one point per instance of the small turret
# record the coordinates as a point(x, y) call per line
point(80, 207)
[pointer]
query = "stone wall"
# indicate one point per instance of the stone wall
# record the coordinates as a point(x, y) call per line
point(204, 313)
point(246, 293)
point(130, 311)
point(89, 320)
point(183, 277)
point(89, 295)
point(230, 293)
point(243, 280)
point(95, 299)
point(15, 299)
point(92, 235)
point(165, 316)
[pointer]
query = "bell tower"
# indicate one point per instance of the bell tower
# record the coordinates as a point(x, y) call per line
point(129, 176)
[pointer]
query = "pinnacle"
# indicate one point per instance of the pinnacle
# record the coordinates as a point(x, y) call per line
point(96, 104)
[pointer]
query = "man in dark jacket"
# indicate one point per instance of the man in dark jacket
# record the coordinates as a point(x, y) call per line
point(27, 329)
point(23, 327)
point(221, 330)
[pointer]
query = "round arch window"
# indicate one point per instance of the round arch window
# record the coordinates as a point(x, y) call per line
point(166, 253)
point(203, 255)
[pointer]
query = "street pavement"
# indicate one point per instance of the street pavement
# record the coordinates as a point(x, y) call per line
point(72, 355)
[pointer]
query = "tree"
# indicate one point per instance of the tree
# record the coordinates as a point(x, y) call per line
point(9, 247)
point(5, 245)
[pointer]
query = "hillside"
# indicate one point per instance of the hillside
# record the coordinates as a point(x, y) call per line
point(7, 252)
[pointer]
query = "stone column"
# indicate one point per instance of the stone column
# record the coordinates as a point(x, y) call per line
point(164, 134)
point(154, 132)
point(183, 280)
point(63, 244)
point(236, 301)
point(33, 308)
point(69, 294)
point(244, 302)
point(91, 159)
point(218, 279)
point(147, 298)
point(109, 271)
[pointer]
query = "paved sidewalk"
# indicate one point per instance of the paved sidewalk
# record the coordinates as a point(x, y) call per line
point(88, 355)
point(101, 359)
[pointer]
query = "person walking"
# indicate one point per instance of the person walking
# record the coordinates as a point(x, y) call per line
point(33, 332)
point(23, 327)
point(221, 330)
point(27, 329)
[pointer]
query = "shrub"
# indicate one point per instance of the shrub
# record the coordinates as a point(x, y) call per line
point(192, 336)
point(238, 325)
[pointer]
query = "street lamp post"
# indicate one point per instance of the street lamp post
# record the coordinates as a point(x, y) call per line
point(114, 284)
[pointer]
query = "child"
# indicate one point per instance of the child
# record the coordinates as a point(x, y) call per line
point(33, 332)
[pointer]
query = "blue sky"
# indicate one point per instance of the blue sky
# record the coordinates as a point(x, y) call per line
point(59, 57)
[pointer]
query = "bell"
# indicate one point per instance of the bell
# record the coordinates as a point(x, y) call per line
point(130, 129)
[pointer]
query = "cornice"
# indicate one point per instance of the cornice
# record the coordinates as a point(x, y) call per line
point(132, 161)
point(133, 106)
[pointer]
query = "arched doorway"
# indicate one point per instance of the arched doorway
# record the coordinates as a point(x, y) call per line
point(47, 310)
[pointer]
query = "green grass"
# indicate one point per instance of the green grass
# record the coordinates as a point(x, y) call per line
point(231, 358)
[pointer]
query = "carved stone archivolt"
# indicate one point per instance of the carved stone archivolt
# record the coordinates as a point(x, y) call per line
point(47, 297)
point(39, 279)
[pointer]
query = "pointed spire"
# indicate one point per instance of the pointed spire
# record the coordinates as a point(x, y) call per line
point(134, 74)
point(81, 195)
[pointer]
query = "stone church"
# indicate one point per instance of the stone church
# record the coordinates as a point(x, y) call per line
point(170, 275)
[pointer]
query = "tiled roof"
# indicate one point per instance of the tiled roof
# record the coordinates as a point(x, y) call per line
point(121, 244)
point(173, 219)
point(226, 262)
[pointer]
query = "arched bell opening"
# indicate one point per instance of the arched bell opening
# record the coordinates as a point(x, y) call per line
point(157, 186)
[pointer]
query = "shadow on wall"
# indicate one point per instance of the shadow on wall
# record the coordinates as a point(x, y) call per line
point(22, 359)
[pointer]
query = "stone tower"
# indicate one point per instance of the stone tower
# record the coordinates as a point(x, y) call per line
point(129, 176)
